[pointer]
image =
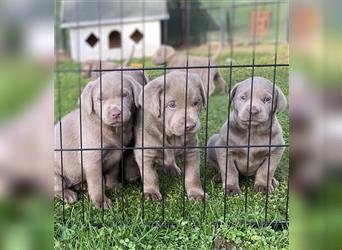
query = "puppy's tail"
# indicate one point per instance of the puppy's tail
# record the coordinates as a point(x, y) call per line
point(218, 52)
point(128, 60)
point(211, 151)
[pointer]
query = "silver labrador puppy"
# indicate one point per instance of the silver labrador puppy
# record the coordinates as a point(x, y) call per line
point(175, 129)
point(112, 110)
point(169, 56)
point(262, 113)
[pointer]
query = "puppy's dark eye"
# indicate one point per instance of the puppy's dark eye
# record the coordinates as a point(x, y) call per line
point(172, 104)
point(196, 103)
point(124, 95)
point(267, 99)
point(243, 98)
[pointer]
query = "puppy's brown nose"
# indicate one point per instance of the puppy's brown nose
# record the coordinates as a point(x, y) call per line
point(254, 110)
point(116, 113)
point(190, 126)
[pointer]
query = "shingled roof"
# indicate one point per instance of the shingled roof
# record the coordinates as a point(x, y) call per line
point(83, 13)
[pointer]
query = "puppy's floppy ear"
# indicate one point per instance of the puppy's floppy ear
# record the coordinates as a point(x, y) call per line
point(87, 97)
point(280, 101)
point(152, 101)
point(233, 92)
point(136, 89)
point(196, 79)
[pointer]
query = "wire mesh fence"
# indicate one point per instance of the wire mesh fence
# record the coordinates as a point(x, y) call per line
point(132, 202)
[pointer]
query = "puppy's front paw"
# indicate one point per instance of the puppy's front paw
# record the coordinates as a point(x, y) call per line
point(217, 177)
point(197, 195)
point(80, 187)
point(232, 190)
point(262, 188)
point(132, 176)
point(275, 183)
point(153, 196)
point(70, 196)
point(173, 170)
point(106, 203)
point(117, 186)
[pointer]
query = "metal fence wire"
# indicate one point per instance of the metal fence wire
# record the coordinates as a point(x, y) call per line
point(126, 205)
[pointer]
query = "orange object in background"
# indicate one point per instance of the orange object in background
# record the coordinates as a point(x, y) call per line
point(260, 23)
point(136, 65)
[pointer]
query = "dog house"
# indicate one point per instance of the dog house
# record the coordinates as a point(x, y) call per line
point(107, 30)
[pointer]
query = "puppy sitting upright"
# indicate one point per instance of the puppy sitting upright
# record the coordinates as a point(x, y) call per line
point(117, 107)
point(262, 113)
point(177, 124)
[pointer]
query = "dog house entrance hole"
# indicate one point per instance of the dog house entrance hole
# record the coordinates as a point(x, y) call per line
point(136, 36)
point(114, 39)
point(92, 40)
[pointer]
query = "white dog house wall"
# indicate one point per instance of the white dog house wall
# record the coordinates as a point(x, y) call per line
point(107, 30)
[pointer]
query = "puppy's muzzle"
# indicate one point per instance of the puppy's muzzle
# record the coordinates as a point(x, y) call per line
point(115, 116)
point(116, 113)
point(190, 127)
point(254, 111)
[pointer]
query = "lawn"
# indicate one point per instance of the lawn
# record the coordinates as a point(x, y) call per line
point(195, 226)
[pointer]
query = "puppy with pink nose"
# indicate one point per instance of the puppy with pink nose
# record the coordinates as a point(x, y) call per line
point(170, 112)
point(253, 120)
point(107, 115)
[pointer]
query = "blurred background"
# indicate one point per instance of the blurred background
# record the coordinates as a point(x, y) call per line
point(26, 122)
point(316, 124)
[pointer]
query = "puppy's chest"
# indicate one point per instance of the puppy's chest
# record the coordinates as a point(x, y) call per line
point(118, 137)
point(114, 143)
point(171, 154)
point(256, 155)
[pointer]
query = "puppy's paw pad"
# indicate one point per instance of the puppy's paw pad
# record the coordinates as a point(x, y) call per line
point(70, 196)
point(153, 196)
point(105, 204)
point(217, 178)
point(232, 190)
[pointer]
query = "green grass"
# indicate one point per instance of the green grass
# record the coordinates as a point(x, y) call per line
point(195, 229)
point(21, 81)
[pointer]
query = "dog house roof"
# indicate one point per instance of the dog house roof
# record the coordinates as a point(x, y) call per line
point(84, 13)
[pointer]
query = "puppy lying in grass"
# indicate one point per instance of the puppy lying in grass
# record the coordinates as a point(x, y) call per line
point(178, 125)
point(263, 115)
point(113, 115)
point(169, 56)
point(89, 66)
